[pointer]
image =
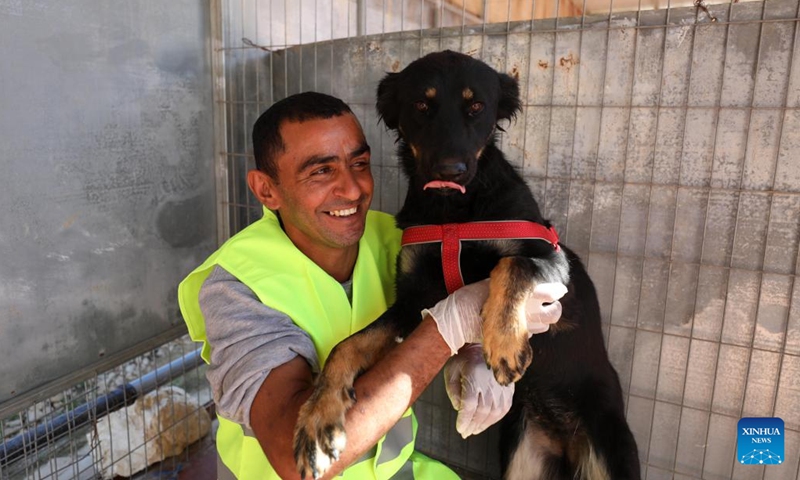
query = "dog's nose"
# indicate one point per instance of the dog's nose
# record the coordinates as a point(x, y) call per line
point(449, 170)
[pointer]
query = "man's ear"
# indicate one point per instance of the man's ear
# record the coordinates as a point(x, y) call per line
point(509, 104)
point(388, 104)
point(264, 188)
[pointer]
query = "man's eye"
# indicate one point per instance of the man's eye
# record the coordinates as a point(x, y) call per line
point(321, 171)
point(361, 164)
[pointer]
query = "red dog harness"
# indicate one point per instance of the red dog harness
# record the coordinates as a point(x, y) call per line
point(452, 234)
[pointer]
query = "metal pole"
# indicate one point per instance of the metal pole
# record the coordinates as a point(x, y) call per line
point(361, 17)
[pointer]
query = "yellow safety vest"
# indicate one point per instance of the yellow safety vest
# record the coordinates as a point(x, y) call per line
point(291, 283)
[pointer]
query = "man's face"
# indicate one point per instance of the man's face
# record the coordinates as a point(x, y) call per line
point(324, 186)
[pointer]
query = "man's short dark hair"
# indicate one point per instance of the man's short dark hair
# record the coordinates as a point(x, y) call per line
point(267, 141)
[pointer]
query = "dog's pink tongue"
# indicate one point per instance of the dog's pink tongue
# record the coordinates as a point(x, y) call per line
point(441, 184)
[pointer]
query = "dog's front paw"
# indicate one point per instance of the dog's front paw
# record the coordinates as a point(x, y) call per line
point(505, 339)
point(319, 436)
point(509, 356)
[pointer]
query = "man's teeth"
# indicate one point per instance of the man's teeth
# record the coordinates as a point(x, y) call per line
point(343, 213)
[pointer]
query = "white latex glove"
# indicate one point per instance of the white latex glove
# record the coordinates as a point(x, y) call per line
point(458, 316)
point(480, 400)
point(543, 308)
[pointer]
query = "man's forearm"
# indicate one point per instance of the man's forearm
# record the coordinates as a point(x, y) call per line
point(383, 394)
point(386, 390)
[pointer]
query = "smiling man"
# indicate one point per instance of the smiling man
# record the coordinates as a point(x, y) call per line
point(274, 300)
point(322, 189)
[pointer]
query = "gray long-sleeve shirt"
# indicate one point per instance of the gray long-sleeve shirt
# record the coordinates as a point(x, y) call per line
point(248, 339)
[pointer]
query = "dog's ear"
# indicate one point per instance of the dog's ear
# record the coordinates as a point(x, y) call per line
point(509, 104)
point(388, 104)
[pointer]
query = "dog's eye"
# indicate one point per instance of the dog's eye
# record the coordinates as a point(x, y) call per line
point(476, 108)
point(421, 106)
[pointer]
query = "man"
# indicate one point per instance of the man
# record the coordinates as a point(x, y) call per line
point(273, 301)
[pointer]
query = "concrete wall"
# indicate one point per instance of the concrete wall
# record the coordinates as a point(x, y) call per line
point(106, 178)
point(666, 150)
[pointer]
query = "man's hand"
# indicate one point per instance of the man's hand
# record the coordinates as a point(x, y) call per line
point(543, 308)
point(471, 387)
point(474, 392)
point(458, 316)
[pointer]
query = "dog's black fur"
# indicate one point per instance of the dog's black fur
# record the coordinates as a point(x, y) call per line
point(568, 413)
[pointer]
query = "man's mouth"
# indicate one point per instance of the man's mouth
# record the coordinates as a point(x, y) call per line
point(444, 184)
point(343, 213)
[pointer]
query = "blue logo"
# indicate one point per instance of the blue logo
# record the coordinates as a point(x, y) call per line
point(760, 441)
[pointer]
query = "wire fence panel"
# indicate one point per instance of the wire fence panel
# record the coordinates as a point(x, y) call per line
point(662, 140)
point(148, 438)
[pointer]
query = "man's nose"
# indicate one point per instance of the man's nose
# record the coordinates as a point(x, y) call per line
point(347, 186)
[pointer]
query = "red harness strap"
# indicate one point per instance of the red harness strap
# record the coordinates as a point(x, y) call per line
point(452, 234)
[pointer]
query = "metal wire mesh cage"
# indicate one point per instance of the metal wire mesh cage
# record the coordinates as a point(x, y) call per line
point(660, 137)
point(86, 431)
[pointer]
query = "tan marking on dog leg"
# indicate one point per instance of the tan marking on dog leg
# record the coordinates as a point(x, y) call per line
point(592, 467)
point(529, 458)
point(505, 327)
point(467, 93)
point(430, 92)
point(588, 465)
point(319, 435)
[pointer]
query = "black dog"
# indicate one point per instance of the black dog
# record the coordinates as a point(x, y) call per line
point(568, 419)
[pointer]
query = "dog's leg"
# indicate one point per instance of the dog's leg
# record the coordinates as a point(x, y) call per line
point(612, 449)
point(505, 327)
point(505, 331)
point(319, 435)
point(537, 456)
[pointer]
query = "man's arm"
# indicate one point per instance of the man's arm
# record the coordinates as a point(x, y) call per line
point(383, 395)
point(249, 340)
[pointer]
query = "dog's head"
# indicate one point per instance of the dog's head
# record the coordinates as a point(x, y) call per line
point(445, 107)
